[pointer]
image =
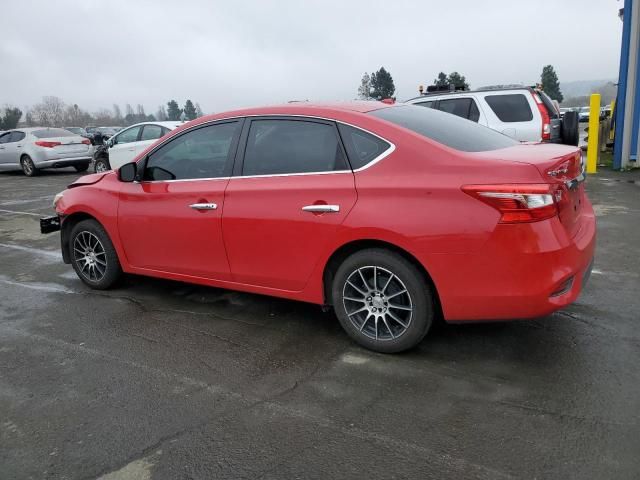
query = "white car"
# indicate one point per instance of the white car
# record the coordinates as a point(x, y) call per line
point(523, 113)
point(126, 144)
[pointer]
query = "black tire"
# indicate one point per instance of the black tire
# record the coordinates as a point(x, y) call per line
point(391, 336)
point(28, 167)
point(101, 270)
point(101, 165)
point(570, 129)
point(82, 167)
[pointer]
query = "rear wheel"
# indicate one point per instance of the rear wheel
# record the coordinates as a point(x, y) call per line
point(101, 165)
point(382, 300)
point(93, 256)
point(570, 129)
point(28, 167)
point(81, 168)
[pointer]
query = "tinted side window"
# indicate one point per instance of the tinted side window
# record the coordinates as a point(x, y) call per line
point(200, 153)
point(4, 138)
point(510, 108)
point(292, 146)
point(128, 136)
point(426, 104)
point(474, 113)
point(446, 129)
point(456, 106)
point(362, 147)
point(16, 136)
point(151, 132)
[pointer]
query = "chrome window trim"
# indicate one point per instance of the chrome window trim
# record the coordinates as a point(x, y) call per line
point(382, 156)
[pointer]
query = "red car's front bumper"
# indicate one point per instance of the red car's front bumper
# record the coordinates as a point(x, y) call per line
point(523, 271)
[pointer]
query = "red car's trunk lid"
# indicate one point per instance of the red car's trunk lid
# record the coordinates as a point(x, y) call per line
point(559, 166)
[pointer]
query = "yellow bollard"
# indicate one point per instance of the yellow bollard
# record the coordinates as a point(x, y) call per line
point(613, 112)
point(594, 130)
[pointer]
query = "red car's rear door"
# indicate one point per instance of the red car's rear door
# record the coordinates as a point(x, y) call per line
point(171, 221)
point(293, 190)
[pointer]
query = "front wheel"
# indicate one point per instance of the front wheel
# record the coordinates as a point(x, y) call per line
point(382, 300)
point(101, 165)
point(93, 256)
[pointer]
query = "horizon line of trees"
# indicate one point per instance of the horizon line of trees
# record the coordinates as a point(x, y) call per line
point(52, 111)
point(379, 86)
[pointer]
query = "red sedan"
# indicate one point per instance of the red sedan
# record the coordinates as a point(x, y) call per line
point(392, 214)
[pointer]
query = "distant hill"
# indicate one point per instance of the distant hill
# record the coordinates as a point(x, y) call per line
point(580, 88)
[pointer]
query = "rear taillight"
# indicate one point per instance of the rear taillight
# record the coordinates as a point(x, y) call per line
point(546, 120)
point(517, 203)
point(45, 144)
point(86, 141)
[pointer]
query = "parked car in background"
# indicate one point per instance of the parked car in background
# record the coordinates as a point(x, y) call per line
point(392, 214)
point(37, 148)
point(125, 145)
point(78, 131)
point(583, 114)
point(523, 113)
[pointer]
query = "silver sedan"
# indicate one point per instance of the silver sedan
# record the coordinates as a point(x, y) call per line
point(32, 149)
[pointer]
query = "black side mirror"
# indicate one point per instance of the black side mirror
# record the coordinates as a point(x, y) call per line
point(127, 172)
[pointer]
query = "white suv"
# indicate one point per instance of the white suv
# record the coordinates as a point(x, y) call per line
point(523, 113)
point(126, 144)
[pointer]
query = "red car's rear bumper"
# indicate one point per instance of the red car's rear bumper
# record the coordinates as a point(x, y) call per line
point(523, 271)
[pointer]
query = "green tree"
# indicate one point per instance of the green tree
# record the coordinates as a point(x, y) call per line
point(442, 80)
point(10, 118)
point(454, 78)
point(459, 81)
point(382, 85)
point(364, 90)
point(550, 83)
point(173, 110)
point(190, 110)
point(199, 112)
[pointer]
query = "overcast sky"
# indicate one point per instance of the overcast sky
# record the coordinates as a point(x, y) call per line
point(227, 54)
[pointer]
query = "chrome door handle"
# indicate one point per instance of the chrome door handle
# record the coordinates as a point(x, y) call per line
point(203, 206)
point(321, 208)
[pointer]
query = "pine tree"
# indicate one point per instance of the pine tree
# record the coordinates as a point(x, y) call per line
point(198, 111)
point(382, 84)
point(364, 90)
point(173, 110)
point(550, 83)
point(189, 110)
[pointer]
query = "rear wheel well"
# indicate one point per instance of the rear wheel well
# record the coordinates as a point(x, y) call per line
point(348, 249)
point(65, 231)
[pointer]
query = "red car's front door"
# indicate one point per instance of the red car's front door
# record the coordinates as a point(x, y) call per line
point(294, 190)
point(171, 221)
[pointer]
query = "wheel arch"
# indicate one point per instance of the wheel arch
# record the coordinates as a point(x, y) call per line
point(344, 251)
point(65, 231)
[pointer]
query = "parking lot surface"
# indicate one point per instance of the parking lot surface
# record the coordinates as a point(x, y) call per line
point(158, 379)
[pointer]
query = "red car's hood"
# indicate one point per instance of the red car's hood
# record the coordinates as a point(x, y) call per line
point(88, 179)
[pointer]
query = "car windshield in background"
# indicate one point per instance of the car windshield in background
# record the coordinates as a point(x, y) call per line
point(77, 131)
point(52, 133)
point(107, 130)
point(444, 128)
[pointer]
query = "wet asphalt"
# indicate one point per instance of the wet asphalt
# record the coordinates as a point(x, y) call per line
point(164, 380)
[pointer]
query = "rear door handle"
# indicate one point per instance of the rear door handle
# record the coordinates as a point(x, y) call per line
point(203, 206)
point(321, 208)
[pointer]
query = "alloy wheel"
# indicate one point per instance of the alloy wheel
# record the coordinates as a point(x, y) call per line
point(377, 303)
point(100, 167)
point(90, 256)
point(27, 165)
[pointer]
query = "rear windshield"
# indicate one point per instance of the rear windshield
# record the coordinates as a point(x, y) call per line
point(52, 132)
point(444, 128)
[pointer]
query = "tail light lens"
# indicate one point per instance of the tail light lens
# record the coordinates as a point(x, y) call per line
point(546, 120)
point(86, 141)
point(46, 144)
point(517, 203)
